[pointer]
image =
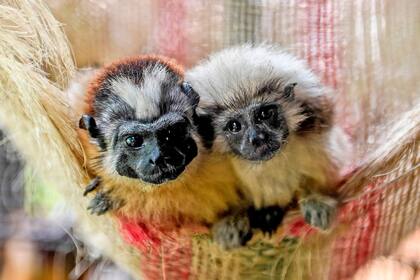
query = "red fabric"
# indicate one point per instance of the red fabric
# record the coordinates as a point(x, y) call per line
point(318, 37)
point(299, 228)
point(139, 235)
point(165, 255)
point(170, 35)
point(355, 247)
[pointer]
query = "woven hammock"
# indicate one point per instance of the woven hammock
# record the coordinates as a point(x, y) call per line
point(380, 196)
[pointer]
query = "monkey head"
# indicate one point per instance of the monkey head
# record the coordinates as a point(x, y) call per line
point(258, 97)
point(139, 114)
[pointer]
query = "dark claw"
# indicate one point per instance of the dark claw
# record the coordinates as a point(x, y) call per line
point(266, 219)
point(92, 186)
point(100, 204)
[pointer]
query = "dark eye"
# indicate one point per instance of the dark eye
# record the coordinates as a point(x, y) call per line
point(234, 126)
point(134, 141)
point(265, 113)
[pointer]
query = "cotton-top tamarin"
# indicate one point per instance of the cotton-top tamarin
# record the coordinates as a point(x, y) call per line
point(275, 120)
point(139, 130)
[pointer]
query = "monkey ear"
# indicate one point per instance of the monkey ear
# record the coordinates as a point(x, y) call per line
point(289, 91)
point(88, 123)
point(191, 93)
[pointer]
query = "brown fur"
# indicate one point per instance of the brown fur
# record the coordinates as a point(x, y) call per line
point(318, 114)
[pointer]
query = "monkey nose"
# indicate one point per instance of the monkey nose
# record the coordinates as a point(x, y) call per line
point(155, 157)
point(256, 138)
point(152, 161)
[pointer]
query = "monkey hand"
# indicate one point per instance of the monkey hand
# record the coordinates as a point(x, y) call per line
point(318, 210)
point(102, 202)
point(236, 230)
point(232, 231)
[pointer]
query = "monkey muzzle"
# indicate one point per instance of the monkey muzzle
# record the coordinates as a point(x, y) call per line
point(258, 145)
point(164, 164)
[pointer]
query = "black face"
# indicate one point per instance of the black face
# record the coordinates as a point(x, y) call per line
point(154, 152)
point(256, 132)
point(155, 148)
point(157, 152)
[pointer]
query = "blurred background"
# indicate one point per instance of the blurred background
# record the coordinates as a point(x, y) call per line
point(368, 51)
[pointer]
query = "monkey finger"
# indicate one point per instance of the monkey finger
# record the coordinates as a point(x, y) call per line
point(91, 186)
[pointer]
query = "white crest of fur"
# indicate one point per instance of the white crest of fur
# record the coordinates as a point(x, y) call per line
point(146, 97)
point(247, 67)
point(307, 164)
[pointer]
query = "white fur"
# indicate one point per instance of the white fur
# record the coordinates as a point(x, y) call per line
point(146, 97)
point(307, 164)
point(76, 90)
point(246, 67)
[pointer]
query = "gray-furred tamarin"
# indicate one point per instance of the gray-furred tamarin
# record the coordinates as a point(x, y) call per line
point(143, 149)
point(275, 120)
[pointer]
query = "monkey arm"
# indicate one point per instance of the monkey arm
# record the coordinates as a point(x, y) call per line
point(318, 187)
